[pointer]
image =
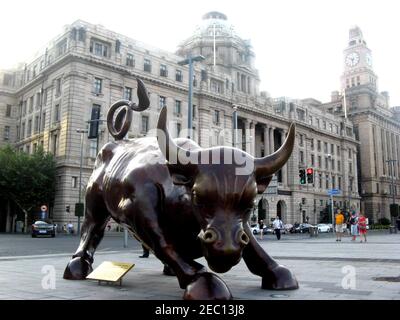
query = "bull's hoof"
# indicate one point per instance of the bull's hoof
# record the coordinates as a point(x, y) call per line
point(77, 269)
point(168, 271)
point(207, 286)
point(279, 278)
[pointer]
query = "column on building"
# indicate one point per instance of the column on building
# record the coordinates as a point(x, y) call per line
point(285, 167)
point(253, 138)
point(247, 135)
point(266, 140)
point(271, 140)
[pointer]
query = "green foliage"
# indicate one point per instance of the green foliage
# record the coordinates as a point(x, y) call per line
point(27, 180)
point(384, 221)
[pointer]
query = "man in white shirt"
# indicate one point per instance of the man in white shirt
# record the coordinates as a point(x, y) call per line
point(277, 225)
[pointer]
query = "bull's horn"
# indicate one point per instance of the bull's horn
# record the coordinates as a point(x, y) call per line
point(268, 165)
point(144, 100)
point(168, 147)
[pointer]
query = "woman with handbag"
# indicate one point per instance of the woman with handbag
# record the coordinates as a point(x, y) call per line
point(362, 227)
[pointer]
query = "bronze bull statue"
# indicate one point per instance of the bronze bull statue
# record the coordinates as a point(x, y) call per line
point(181, 210)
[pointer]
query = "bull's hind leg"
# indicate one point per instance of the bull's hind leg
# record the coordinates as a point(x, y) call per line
point(274, 276)
point(92, 232)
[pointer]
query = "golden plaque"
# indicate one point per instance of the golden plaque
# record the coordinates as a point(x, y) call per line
point(110, 271)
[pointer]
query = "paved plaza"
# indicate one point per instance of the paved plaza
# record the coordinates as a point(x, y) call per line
point(325, 269)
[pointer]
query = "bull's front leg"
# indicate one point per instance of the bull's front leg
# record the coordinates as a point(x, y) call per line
point(274, 276)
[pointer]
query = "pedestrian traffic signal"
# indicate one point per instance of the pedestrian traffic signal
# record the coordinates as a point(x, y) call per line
point(302, 175)
point(310, 175)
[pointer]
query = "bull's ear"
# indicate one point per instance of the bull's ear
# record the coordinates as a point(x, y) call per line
point(262, 183)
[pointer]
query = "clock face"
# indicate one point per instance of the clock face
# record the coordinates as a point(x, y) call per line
point(369, 59)
point(352, 59)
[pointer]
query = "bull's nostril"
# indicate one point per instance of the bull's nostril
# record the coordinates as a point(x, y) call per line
point(210, 236)
point(243, 238)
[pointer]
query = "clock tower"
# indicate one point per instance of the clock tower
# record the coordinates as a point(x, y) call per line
point(358, 63)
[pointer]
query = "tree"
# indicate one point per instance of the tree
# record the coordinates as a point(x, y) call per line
point(27, 180)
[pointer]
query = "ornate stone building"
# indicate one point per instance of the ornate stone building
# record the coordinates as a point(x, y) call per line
point(376, 126)
point(89, 67)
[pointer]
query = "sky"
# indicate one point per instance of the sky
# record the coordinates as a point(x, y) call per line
point(298, 44)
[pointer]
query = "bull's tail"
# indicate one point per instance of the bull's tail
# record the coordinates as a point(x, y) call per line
point(119, 127)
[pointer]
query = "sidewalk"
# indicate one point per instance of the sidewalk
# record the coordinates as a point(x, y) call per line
point(321, 265)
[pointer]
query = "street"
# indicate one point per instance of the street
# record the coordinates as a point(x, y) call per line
point(324, 268)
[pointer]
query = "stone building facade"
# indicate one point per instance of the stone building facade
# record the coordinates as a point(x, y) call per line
point(376, 126)
point(88, 67)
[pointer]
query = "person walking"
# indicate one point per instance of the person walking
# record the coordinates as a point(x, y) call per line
point(261, 226)
point(339, 220)
point(277, 225)
point(353, 226)
point(362, 227)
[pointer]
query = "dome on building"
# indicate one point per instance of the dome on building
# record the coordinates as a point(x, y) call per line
point(219, 21)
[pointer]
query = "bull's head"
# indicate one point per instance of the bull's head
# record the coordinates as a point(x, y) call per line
point(222, 198)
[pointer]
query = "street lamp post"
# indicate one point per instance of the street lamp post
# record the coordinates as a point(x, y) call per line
point(82, 132)
point(190, 61)
point(331, 197)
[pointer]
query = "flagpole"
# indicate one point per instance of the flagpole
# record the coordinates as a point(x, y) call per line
point(344, 103)
point(214, 42)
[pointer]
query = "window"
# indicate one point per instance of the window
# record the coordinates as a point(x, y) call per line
point(350, 167)
point(319, 145)
point(377, 188)
point(128, 93)
point(62, 47)
point(338, 165)
point(118, 46)
point(81, 34)
point(178, 76)
point(312, 144)
point(216, 117)
point(325, 147)
point(319, 162)
point(38, 100)
point(28, 149)
point(99, 49)
point(57, 113)
point(58, 87)
point(333, 164)
point(301, 140)
point(36, 129)
point(349, 153)
point(162, 102)
point(31, 104)
point(130, 60)
point(178, 128)
point(310, 120)
point(340, 183)
point(93, 148)
point(34, 147)
point(97, 85)
point(338, 150)
point(145, 124)
point(312, 160)
point(194, 81)
point(18, 133)
point(178, 107)
point(6, 133)
point(333, 182)
point(330, 127)
point(349, 132)
point(326, 182)
point(300, 114)
point(326, 164)
point(163, 70)
point(74, 182)
point(216, 86)
point(332, 149)
point(301, 156)
point(29, 132)
point(320, 181)
point(324, 124)
point(147, 65)
point(194, 112)
point(318, 125)
point(8, 111)
point(23, 130)
point(43, 120)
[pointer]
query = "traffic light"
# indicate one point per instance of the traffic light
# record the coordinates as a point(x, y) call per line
point(310, 175)
point(302, 175)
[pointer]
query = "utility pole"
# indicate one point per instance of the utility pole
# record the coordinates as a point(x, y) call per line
point(82, 132)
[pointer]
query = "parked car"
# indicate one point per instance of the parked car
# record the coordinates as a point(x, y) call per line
point(322, 227)
point(43, 228)
point(269, 230)
point(301, 228)
point(255, 229)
